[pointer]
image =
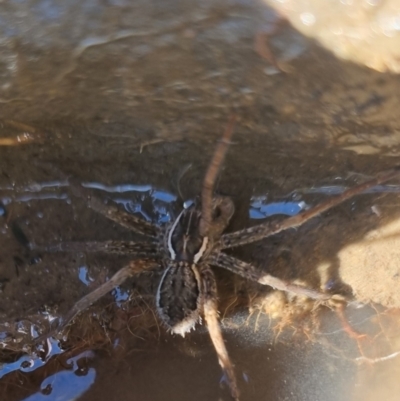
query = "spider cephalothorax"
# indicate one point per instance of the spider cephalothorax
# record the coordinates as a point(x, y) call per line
point(186, 249)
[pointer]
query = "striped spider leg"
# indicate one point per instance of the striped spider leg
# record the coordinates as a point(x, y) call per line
point(267, 229)
point(147, 251)
point(133, 268)
point(264, 230)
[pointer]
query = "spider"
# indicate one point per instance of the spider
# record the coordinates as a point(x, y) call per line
point(186, 249)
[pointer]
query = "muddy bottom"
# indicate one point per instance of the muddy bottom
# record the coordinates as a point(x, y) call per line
point(129, 101)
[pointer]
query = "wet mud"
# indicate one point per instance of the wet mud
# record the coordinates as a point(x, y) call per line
point(130, 99)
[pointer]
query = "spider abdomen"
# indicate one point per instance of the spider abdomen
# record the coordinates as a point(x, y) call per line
point(178, 297)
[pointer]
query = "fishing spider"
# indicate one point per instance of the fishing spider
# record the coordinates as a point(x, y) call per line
point(185, 250)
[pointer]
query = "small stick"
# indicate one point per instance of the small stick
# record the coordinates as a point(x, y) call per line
point(211, 175)
point(29, 134)
point(26, 137)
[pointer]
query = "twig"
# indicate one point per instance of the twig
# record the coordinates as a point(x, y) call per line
point(211, 175)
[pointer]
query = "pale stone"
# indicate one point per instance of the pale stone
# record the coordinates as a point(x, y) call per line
point(372, 267)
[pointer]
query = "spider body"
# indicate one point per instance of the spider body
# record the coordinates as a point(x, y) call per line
point(186, 249)
point(180, 294)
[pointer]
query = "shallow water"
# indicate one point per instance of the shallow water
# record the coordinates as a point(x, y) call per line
point(130, 99)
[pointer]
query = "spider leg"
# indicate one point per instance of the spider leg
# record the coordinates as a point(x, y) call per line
point(207, 192)
point(210, 309)
point(114, 213)
point(250, 272)
point(138, 249)
point(117, 279)
point(267, 229)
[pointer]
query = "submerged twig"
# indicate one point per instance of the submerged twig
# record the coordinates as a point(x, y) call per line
point(211, 175)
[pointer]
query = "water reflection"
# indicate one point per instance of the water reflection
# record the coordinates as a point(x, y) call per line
point(83, 274)
point(260, 208)
point(28, 363)
point(66, 385)
point(118, 188)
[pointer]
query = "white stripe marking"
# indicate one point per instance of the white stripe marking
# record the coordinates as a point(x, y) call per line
point(170, 248)
point(201, 250)
point(158, 294)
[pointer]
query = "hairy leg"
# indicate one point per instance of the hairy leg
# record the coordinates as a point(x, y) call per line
point(114, 213)
point(133, 268)
point(131, 248)
point(211, 317)
point(264, 230)
point(207, 192)
point(250, 272)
